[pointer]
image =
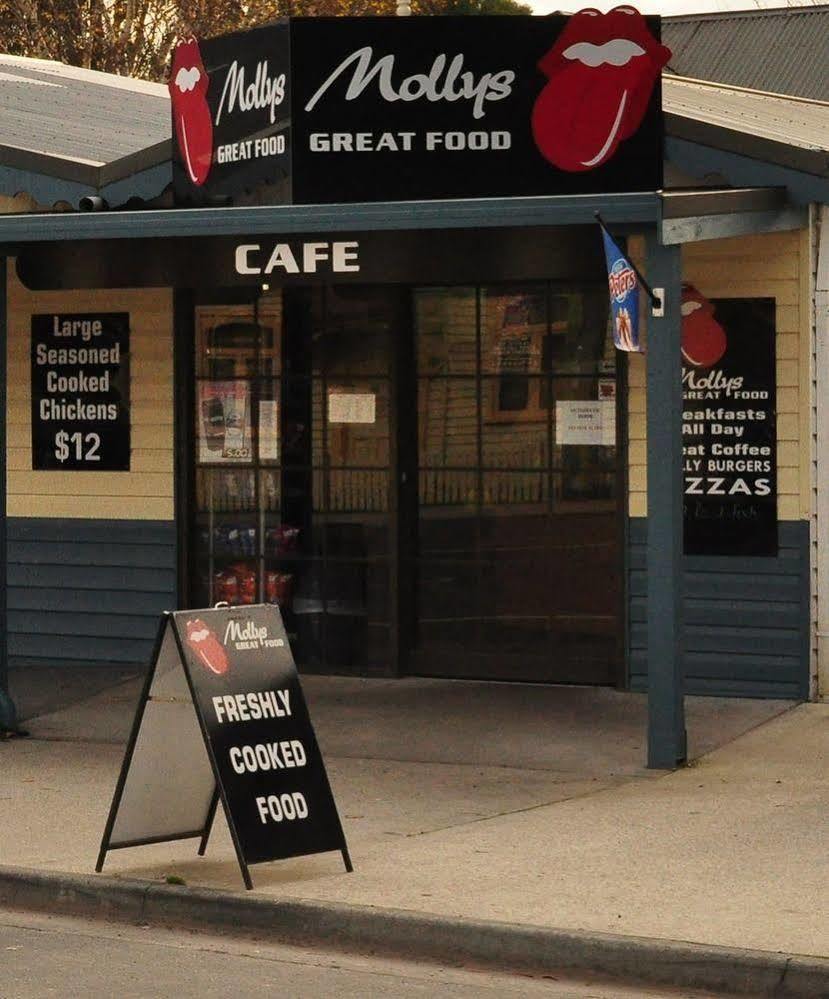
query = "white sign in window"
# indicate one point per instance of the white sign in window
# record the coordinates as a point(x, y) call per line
point(268, 430)
point(582, 422)
point(351, 407)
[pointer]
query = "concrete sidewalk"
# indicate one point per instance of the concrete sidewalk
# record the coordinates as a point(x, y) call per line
point(494, 804)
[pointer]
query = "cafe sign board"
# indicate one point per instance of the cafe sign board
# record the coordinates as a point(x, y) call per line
point(324, 109)
point(223, 718)
point(729, 430)
point(414, 256)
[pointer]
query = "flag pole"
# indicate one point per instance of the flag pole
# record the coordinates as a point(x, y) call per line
point(655, 299)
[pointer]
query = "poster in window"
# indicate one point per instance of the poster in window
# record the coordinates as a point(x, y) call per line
point(224, 422)
point(729, 428)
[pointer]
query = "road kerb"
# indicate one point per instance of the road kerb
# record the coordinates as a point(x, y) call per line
point(421, 936)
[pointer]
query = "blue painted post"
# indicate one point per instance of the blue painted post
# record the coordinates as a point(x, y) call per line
point(666, 710)
point(7, 710)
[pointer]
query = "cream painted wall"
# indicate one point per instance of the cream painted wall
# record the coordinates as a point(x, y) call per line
point(772, 265)
point(146, 491)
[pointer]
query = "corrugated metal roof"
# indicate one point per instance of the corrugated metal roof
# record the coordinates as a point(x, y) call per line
point(785, 51)
point(77, 115)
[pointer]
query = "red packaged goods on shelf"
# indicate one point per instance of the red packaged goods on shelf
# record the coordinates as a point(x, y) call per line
point(247, 583)
point(283, 539)
point(278, 588)
point(226, 587)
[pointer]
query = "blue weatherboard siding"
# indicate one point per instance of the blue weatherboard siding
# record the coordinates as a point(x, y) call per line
point(87, 591)
point(746, 619)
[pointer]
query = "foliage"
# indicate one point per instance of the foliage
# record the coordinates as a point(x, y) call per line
point(136, 37)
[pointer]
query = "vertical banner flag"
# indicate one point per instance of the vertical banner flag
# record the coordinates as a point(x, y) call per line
point(624, 295)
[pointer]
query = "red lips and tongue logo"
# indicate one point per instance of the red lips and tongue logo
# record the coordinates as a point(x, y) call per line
point(207, 648)
point(191, 114)
point(601, 71)
point(703, 339)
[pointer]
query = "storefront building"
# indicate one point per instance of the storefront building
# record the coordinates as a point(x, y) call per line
point(375, 383)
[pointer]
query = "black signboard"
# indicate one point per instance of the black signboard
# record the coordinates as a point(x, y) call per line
point(81, 392)
point(234, 666)
point(729, 432)
point(231, 117)
point(386, 108)
point(424, 256)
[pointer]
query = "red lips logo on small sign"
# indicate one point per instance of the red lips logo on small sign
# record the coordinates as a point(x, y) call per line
point(191, 114)
point(207, 648)
point(601, 72)
point(703, 339)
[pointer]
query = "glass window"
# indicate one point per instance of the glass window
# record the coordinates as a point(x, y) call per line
point(517, 470)
point(446, 331)
point(513, 324)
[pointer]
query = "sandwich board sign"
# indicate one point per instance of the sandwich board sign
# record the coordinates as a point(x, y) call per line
point(249, 743)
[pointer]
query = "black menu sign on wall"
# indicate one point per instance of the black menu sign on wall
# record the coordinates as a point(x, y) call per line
point(81, 392)
point(729, 432)
point(234, 666)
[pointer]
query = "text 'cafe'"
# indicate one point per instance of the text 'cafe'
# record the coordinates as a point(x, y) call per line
point(364, 366)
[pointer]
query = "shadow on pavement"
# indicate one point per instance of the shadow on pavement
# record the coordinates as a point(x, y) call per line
point(583, 731)
point(41, 690)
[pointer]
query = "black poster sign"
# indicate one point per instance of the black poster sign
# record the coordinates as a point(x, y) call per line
point(81, 392)
point(729, 432)
point(232, 117)
point(387, 108)
point(234, 666)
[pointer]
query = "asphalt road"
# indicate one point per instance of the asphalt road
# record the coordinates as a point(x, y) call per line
point(44, 956)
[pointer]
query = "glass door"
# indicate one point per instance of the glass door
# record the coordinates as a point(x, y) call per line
point(292, 462)
point(238, 368)
point(517, 565)
point(335, 475)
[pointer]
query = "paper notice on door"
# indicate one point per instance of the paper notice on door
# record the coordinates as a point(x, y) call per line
point(351, 407)
point(268, 430)
point(581, 422)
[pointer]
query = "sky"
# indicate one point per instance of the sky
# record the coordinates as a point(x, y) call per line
point(667, 7)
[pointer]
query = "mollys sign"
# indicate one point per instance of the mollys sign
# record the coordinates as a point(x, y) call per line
point(729, 436)
point(384, 108)
point(231, 111)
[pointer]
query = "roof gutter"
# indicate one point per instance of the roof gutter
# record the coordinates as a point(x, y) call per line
point(89, 173)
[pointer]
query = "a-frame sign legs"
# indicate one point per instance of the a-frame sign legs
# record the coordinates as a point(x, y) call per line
point(222, 717)
point(133, 738)
point(211, 815)
point(218, 787)
point(164, 689)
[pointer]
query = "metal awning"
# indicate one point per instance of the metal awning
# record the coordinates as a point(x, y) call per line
point(683, 216)
point(711, 213)
point(381, 216)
